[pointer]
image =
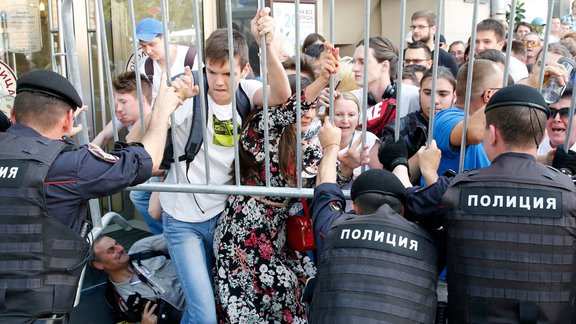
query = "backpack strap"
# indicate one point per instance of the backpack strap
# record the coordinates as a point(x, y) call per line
point(149, 69)
point(190, 57)
point(188, 61)
point(138, 257)
point(243, 106)
point(195, 138)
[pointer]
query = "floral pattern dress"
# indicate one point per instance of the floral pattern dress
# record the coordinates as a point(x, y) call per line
point(257, 278)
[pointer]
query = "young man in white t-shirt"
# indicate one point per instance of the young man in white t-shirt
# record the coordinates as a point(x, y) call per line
point(190, 219)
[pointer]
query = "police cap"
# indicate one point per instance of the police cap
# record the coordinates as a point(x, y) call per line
point(378, 181)
point(51, 84)
point(518, 95)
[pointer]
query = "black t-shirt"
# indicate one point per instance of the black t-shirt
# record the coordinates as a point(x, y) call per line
point(446, 60)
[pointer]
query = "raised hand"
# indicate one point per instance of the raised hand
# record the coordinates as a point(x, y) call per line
point(184, 85)
point(263, 25)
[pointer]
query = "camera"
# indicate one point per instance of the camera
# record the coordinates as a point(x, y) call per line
point(165, 312)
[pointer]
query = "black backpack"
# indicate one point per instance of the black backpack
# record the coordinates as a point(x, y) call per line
point(195, 137)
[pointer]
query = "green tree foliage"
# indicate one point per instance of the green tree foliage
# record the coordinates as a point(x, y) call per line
point(519, 13)
point(180, 12)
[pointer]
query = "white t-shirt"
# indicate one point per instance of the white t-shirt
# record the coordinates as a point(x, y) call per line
point(189, 207)
point(176, 67)
point(517, 69)
point(545, 146)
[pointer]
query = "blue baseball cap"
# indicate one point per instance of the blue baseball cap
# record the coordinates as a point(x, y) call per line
point(538, 22)
point(148, 28)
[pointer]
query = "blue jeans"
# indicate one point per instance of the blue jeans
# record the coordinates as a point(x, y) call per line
point(190, 247)
point(141, 200)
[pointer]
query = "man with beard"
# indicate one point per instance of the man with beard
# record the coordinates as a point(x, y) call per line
point(423, 29)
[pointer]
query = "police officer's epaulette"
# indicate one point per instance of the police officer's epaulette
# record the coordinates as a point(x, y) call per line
point(99, 154)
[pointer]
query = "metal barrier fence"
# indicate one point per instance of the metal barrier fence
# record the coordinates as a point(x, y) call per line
point(72, 71)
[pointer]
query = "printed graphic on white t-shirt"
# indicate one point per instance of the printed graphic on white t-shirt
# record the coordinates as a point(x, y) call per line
point(224, 132)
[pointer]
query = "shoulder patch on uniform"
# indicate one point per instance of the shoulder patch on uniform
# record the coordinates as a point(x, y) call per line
point(96, 151)
point(335, 205)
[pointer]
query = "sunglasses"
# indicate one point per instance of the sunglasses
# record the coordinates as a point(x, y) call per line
point(564, 112)
point(531, 43)
point(413, 61)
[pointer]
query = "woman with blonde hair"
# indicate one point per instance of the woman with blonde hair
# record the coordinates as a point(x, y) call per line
point(345, 75)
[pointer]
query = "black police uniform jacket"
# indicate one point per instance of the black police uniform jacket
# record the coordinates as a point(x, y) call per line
point(41, 259)
point(376, 268)
point(511, 243)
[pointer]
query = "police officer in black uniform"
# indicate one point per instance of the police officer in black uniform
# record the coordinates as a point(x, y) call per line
point(374, 266)
point(511, 227)
point(45, 184)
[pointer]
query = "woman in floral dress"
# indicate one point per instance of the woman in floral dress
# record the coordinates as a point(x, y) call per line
point(257, 278)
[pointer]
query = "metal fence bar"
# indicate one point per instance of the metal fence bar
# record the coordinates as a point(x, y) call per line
point(509, 41)
point(232, 64)
point(201, 84)
point(168, 71)
point(545, 46)
point(264, 75)
point(291, 192)
point(103, 74)
point(297, 58)
point(435, 72)
point(136, 59)
point(108, 73)
point(365, 73)
point(331, 81)
point(61, 46)
point(100, 67)
point(51, 36)
point(468, 87)
point(74, 78)
point(400, 69)
point(91, 32)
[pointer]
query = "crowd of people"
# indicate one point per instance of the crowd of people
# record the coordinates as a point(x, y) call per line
point(496, 236)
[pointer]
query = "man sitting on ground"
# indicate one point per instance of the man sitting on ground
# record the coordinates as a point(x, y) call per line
point(143, 284)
